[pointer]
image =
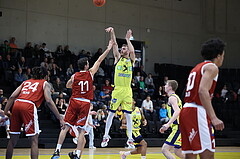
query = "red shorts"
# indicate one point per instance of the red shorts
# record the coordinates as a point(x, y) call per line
point(77, 112)
point(196, 129)
point(24, 112)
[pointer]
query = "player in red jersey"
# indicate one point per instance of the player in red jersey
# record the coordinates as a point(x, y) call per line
point(24, 102)
point(78, 109)
point(197, 115)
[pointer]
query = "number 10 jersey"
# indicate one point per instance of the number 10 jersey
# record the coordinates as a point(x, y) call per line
point(194, 79)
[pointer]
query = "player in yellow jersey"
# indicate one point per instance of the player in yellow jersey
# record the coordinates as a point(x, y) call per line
point(122, 92)
point(174, 108)
point(139, 142)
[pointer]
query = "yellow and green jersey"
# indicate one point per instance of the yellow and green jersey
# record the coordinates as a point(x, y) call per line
point(136, 119)
point(123, 72)
point(170, 109)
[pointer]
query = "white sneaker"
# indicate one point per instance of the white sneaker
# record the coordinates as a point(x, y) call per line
point(92, 147)
point(130, 144)
point(105, 141)
point(75, 140)
point(122, 155)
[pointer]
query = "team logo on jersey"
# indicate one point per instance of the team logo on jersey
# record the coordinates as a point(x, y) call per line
point(114, 100)
point(193, 133)
point(27, 127)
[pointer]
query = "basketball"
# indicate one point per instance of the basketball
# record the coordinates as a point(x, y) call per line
point(99, 3)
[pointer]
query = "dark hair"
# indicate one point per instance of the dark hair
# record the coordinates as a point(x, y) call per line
point(212, 48)
point(39, 72)
point(125, 45)
point(82, 62)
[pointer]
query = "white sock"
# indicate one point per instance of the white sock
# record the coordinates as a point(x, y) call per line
point(143, 157)
point(108, 123)
point(78, 153)
point(127, 153)
point(129, 125)
point(58, 147)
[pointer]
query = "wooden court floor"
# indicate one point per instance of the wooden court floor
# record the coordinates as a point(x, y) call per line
point(113, 153)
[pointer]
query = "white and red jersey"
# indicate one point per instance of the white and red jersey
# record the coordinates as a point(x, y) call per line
point(82, 86)
point(194, 79)
point(32, 90)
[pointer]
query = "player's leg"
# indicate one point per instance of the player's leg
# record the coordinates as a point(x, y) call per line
point(166, 151)
point(115, 102)
point(190, 156)
point(127, 108)
point(11, 144)
point(178, 152)
point(34, 146)
point(206, 155)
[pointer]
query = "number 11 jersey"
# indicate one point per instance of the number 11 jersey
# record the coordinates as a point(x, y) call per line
point(82, 86)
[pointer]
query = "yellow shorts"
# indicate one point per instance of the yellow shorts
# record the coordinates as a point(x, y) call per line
point(121, 96)
point(174, 139)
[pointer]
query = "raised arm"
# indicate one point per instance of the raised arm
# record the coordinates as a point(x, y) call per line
point(116, 53)
point(96, 65)
point(11, 99)
point(130, 46)
point(210, 72)
point(70, 81)
point(51, 104)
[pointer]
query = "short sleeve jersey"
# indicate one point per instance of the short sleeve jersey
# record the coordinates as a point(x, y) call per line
point(194, 79)
point(82, 86)
point(32, 90)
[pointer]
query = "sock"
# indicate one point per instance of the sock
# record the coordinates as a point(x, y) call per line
point(129, 125)
point(127, 153)
point(58, 147)
point(78, 153)
point(108, 123)
point(143, 157)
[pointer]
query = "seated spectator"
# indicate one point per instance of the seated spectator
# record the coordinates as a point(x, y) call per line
point(61, 106)
point(28, 54)
point(107, 85)
point(147, 107)
point(19, 77)
point(5, 123)
point(58, 86)
point(5, 48)
point(163, 115)
point(149, 84)
point(22, 64)
point(224, 92)
point(45, 63)
point(105, 96)
point(29, 73)
point(55, 72)
point(96, 99)
point(142, 88)
point(137, 77)
point(70, 71)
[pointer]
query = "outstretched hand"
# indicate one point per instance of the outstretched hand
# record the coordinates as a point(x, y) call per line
point(129, 34)
point(109, 29)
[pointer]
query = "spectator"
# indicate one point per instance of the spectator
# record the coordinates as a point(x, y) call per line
point(149, 84)
point(105, 96)
point(22, 64)
point(5, 48)
point(58, 86)
point(147, 107)
point(137, 77)
point(107, 85)
point(70, 71)
point(5, 123)
point(19, 77)
point(135, 88)
point(163, 114)
point(28, 53)
point(224, 92)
